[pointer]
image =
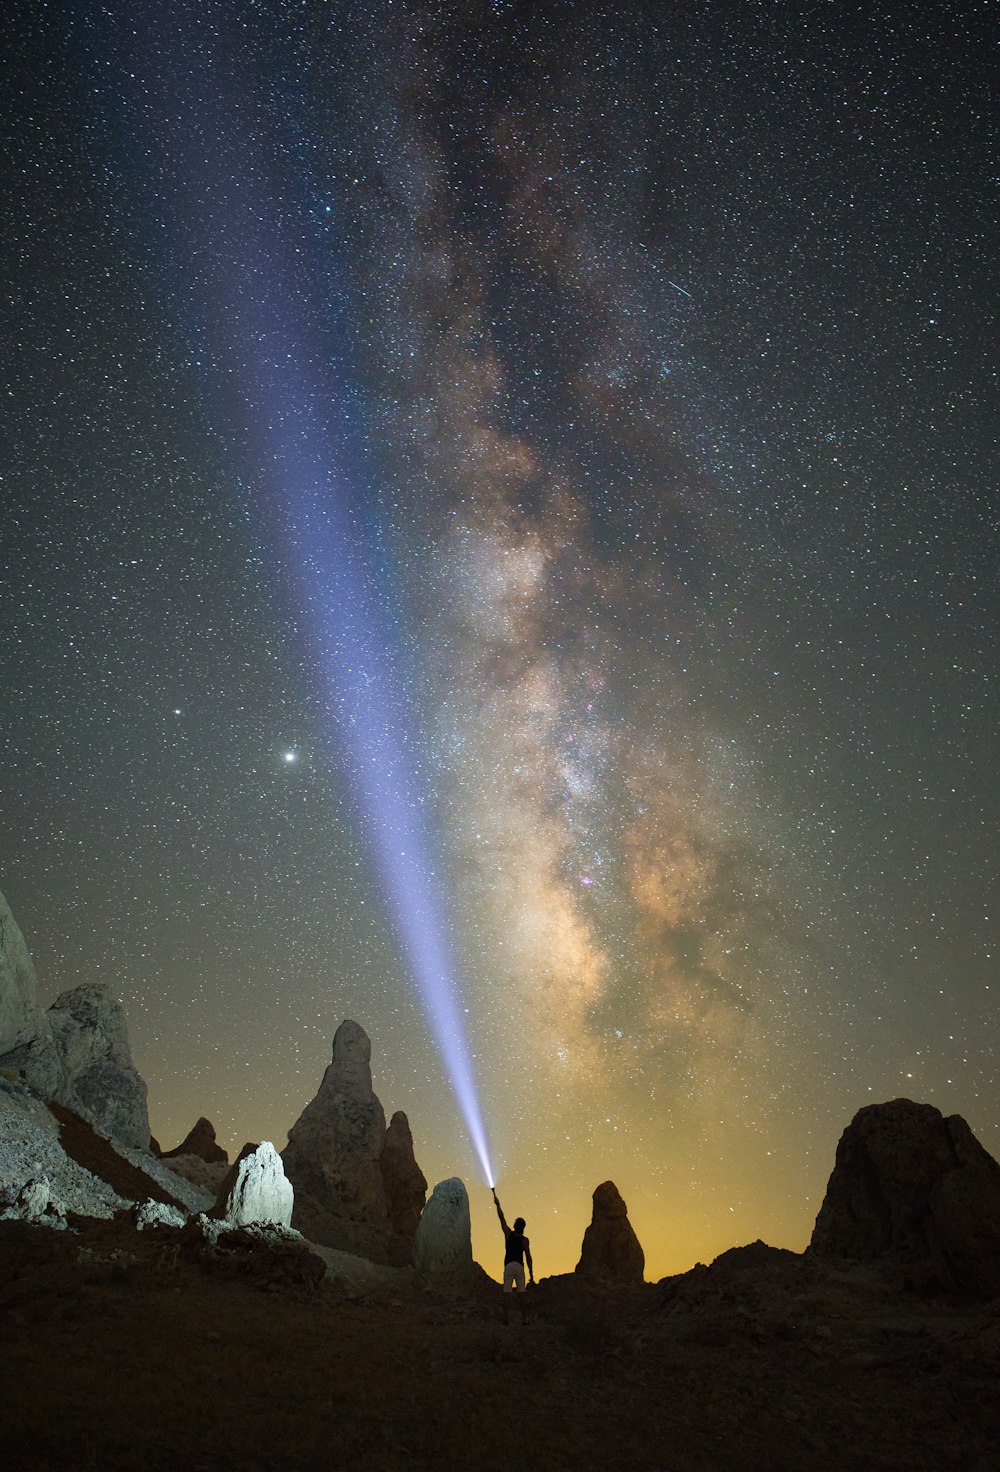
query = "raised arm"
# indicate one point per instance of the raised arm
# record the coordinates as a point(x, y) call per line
point(503, 1219)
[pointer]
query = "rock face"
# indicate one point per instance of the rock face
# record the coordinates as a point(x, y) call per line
point(200, 1141)
point(404, 1181)
point(27, 1047)
point(150, 1214)
point(77, 1052)
point(333, 1158)
point(256, 1189)
point(35, 1201)
point(20, 1012)
point(88, 1025)
point(917, 1191)
point(442, 1245)
point(611, 1252)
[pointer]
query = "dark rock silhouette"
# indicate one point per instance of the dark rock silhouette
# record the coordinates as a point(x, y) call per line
point(263, 1254)
point(405, 1183)
point(918, 1193)
point(201, 1142)
point(611, 1250)
point(344, 1197)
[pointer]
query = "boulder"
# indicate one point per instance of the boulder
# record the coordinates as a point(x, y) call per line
point(405, 1183)
point(611, 1252)
point(256, 1189)
point(33, 1201)
point(199, 1141)
point(88, 1027)
point(264, 1255)
point(917, 1192)
point(442, 1245)
point(149, 1214)
point(334, 1151)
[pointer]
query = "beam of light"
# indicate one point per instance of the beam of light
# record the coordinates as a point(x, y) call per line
point(234, 216)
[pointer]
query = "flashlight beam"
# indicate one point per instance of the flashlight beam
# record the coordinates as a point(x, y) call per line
point(264, 296)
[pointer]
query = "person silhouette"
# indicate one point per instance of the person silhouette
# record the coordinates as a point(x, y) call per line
point(517, 1252)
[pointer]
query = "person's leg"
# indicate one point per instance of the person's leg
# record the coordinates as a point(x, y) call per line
point(514, 1276)
point(508, 1288)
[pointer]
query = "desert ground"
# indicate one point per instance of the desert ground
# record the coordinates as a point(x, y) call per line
point(128, 1349)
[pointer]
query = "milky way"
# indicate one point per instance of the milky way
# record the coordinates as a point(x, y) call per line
point(667, 342)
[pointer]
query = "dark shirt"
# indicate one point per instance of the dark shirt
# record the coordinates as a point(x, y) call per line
point(516, 1243)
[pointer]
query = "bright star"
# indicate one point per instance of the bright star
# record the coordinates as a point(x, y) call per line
point(289, 756)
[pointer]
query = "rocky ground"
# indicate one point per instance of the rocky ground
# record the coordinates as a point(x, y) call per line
point(153, 1350)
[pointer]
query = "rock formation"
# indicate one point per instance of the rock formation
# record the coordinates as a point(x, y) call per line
point(404, 1181)
point(256, 1189)
point(151, 1214)
point(88, 1025)
point(34, 1201)
point(261, 1254)
point(917, 1191)
point(20, 1012)
point(334, 1159)
point(611, 1252)
point(200, 1141)
point(442, 1246)
point(77, 1052)
point(27, 1048)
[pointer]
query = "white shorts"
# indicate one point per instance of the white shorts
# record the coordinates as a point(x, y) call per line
point(513, 1277)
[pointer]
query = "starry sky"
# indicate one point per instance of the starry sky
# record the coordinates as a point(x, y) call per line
point(651, 352)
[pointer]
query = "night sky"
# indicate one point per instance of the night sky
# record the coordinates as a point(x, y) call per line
point(648, 352)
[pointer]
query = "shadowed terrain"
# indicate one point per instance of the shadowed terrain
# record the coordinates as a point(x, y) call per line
point(128, 1349)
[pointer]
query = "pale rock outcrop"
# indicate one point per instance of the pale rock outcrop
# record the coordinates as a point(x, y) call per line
point(34, 1201)
point(88, 1026)
point(405, 1183)
point(27, 1048)
point(256, 1189)
point(611, 1251)
point(442, 1246)
point(20, 1011)
point(916, 1192)
point(76, 1053)
point(334, 1151)
point(200, 1141)
point(157, 1214)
